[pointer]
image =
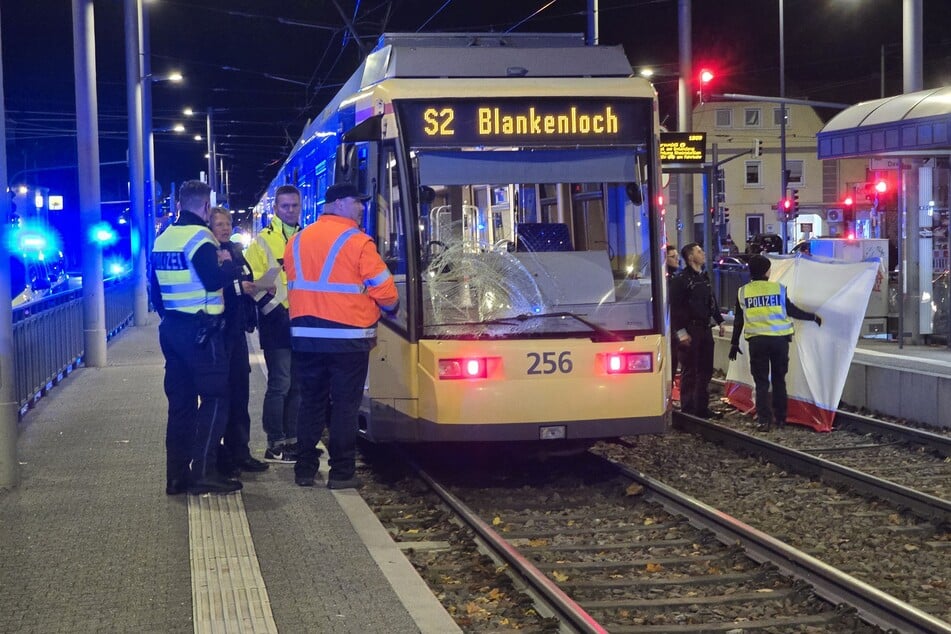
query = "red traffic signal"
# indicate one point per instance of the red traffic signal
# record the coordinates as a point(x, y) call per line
point(848, 202)
point(785, 204)
point(706, 76)
point(881, 186)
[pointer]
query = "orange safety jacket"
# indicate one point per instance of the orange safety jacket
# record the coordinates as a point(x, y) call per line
point(336, 285)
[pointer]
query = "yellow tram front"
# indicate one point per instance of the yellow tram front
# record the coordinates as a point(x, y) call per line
point(523, 232)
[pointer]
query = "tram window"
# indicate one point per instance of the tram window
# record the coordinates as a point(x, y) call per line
point(390, 231)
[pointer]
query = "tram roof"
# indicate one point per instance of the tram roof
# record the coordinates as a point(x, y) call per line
point(910, 124)
point(423, 55)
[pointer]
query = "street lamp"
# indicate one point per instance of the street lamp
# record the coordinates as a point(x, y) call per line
point(210, 136)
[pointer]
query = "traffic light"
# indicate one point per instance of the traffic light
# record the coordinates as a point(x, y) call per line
point(706, 76)
point(721, 186)
point(784, 207)
point(795, 202)
point(757, 148)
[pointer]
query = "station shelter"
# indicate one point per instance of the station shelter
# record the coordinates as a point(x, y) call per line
point(907, 139)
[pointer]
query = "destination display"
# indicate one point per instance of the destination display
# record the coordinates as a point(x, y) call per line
point(683, 147)
point(478, 122)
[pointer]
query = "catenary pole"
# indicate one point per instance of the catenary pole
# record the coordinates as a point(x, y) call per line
point(134, 80)
point(9, 471)
point(684, 121)
point(90, 213)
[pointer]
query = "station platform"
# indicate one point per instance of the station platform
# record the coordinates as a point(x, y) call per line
point(89, 542)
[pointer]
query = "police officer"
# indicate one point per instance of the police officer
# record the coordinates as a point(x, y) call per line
point(282, 397)
point(188, 274)
point(337, 283)
point(763, 310)
point(693, 310)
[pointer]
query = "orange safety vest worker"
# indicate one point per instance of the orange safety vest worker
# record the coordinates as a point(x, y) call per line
point(337, 283)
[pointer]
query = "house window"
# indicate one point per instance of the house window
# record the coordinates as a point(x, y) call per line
point(754, 225)
point(795, 173)
point(724, 118)
point(751, 117)
point(753, 174)
point(778, 117)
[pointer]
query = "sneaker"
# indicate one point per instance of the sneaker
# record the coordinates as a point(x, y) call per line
point(282, 453)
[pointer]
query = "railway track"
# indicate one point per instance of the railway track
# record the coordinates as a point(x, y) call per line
point(604, 548)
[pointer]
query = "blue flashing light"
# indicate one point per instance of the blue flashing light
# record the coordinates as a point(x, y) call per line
point(33, 241)
point(103, 234)
point(116, 267)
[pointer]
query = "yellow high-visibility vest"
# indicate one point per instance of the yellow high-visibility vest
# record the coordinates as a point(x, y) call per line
point(178, 280)
point(764, 309)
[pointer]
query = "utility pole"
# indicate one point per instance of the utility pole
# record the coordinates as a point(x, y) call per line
point(134, 81)
point(90, 198)
point(9, 468)
point(684, 120)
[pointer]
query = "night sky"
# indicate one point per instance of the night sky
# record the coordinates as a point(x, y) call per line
point(268, 66)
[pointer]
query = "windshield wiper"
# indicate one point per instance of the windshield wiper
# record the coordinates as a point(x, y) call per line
point(603, 334)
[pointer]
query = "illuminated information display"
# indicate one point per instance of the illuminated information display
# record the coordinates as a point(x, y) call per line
point(501, 122)
point(683, 147)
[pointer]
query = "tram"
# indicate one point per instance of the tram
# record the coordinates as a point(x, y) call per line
point(514, 183)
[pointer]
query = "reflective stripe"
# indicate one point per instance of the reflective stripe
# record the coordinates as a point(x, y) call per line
point(187, 287)
point(323, 284)
point(271, 305)
point(192, 245)
point(191, 301)
point(333, 333)
point(379, 279)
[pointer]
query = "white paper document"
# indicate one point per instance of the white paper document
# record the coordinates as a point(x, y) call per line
point(269, 279)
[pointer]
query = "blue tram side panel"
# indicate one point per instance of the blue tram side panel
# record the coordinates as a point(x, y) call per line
point(512, 182)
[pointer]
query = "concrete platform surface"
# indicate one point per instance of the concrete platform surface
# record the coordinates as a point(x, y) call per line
point(89, 542)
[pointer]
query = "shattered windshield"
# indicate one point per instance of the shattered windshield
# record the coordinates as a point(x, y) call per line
point(504, 259)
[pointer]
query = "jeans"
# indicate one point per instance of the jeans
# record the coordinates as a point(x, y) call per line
point(331, 381)
point(196, 384)
point(282, 398)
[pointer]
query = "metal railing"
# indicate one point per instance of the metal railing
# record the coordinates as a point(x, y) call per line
point(48, 340)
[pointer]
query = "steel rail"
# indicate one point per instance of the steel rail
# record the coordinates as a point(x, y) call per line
point(922, 504)
point(561, 603)
point(832, 584)
point(870, 425)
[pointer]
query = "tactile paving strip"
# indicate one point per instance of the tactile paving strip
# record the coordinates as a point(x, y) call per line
point(228, 592)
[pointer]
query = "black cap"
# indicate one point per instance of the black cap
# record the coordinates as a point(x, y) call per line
point(343, 190)
point(759, 266)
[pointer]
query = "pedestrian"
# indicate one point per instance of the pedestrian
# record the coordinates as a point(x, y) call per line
point(673, 267)
point(673, 261)
point(763, 311)
point(234, 455)
point(282, 397)
point(337, 285)
point(693, 310)
point(188, 275)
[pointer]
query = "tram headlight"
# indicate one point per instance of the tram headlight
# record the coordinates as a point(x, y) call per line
point(628, 362)
point(470, 368)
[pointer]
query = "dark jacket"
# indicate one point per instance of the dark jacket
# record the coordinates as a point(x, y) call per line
point(240, 311)
point(692, 302)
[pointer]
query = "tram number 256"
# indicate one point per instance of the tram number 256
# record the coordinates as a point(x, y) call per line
point(550, 362)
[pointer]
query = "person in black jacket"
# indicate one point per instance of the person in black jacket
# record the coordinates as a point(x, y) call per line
point(768, 331)
point(693, 310)
point(234, 455)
